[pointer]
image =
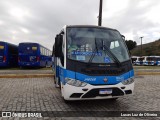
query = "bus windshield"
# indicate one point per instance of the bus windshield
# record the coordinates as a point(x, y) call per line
point(151, 58)
point(82, 43)
point(28, 48)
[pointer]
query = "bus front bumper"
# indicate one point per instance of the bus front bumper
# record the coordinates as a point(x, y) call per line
point(29, 64)
point(3, 64)
point(96, 92)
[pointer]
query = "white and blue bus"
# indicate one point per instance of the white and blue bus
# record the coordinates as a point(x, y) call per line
point(134, 59)
point(34, 55)
point(140, 60)
point(92, 62)
point(153, 60)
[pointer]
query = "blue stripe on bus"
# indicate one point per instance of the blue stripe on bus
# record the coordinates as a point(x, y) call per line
point(94, 79)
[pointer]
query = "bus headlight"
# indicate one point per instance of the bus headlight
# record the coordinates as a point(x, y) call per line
point(74, 82)
point(127, 82)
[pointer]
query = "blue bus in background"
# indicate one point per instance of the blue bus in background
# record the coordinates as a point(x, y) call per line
point(34, 55)
point(8, 54)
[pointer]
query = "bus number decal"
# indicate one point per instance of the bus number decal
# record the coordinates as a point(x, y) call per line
point(90, 79)
point(34, 48)
point(1, 47)
point(120, 78)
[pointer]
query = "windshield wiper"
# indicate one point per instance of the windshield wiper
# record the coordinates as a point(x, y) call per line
point(115, 59)
point(94, 52)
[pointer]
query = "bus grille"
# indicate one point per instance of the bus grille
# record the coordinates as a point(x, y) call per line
point(104, 71)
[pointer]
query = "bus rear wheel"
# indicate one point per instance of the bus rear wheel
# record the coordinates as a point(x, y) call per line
point(46, 65)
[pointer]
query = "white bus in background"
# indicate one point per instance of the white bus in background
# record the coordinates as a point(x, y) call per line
point(158, 60)
point(139, 60)
point(153, 60)
point(134, 59)
point(144, 58)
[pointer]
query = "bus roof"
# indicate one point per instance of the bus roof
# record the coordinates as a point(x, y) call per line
point(88, 26)
point(2, 42)
point(34, 43)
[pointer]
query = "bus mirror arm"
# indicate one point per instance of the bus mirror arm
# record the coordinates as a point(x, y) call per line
point(123, 37)
point(58, 45)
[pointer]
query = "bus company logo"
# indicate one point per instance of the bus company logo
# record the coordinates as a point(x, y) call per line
point(105, 79)
point(6, 114)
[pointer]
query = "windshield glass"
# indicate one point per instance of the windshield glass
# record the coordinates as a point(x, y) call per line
point(150, 58)
point(28, 48)
point(158, 59)
point(82, 43)
point(140, 59)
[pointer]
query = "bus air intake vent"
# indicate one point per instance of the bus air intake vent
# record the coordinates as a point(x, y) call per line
point(76, 95)
point(104, 71)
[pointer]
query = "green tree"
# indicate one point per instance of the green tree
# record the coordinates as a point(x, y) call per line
point(131, 44)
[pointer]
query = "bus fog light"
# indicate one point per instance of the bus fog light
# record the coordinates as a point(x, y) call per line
point(74, 82)
point(127, 82)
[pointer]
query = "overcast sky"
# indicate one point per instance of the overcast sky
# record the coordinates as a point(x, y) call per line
point(40, 20)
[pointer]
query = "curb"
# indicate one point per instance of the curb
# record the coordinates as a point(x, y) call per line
point(147, 73)
point(26, 75)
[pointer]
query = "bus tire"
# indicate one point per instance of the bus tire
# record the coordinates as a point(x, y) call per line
point(54, 79)
point(59, 83)
point(113, 99)
point(57, 79)
point(66, 101)
point(46, 65)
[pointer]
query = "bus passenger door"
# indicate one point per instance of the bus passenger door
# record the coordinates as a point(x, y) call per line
point(59, 61)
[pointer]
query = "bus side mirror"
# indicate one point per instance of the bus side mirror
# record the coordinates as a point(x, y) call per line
point(58, 45)
point(123, 37)
point(53, 50)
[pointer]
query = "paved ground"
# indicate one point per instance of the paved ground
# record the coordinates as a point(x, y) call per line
point(147, 70)
point(26, 71)
point(39, 94)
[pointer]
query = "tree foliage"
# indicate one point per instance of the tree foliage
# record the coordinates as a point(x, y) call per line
point(131, 44)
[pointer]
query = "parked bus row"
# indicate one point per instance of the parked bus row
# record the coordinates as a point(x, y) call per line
point(24, 55)
point(146, 60)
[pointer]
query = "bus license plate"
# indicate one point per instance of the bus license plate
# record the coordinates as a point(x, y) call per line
point(105, 91)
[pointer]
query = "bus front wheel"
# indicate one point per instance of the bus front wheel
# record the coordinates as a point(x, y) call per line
point(56, 81)
point(113, 99)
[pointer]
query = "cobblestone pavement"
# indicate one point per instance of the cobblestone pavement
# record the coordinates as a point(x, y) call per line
point(27, 71)
point(39, 94)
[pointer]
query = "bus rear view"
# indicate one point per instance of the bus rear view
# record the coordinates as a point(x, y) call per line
point(28, 54)
point(92, 62)
point(8, 54)
point(2, 54)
